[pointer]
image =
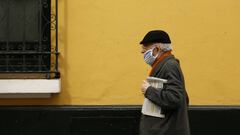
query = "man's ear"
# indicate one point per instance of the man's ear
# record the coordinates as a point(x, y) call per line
point(156, 50)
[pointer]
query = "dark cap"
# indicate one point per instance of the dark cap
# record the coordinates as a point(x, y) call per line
point(156, 36)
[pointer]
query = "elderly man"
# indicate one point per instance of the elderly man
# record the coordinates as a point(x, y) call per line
point(172, 98)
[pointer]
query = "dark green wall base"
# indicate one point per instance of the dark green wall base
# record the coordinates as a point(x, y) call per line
point(107, 120)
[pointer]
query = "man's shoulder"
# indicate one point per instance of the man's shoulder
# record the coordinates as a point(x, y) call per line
point(172, 62)
point(171, 65)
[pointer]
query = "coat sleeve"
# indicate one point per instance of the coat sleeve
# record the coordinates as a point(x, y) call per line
point(171, 96)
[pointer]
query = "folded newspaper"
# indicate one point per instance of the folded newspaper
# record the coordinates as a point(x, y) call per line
point(148, 107)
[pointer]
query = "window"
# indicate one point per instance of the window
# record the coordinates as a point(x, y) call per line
point(25, 39)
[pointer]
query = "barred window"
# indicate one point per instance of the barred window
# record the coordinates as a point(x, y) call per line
point(25, 38)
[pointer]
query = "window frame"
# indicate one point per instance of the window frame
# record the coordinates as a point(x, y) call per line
point(51, 22)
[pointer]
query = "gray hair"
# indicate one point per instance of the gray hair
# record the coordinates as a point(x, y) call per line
point(165, 46)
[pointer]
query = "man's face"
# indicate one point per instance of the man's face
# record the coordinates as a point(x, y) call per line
point(147, 47)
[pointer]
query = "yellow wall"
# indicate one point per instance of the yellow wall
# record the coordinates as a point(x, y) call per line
point(100, 59)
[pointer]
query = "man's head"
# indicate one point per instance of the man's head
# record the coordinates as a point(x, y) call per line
point(158, 40)
point(155, 42)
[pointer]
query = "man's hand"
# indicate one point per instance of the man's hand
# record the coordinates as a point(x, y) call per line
point(144, 87)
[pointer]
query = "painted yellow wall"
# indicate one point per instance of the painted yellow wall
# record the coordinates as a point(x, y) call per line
point(100, 59)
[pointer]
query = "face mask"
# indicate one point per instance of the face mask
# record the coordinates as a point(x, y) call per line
point(149, 58)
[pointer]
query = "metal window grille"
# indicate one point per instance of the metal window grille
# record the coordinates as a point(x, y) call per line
point(26, 28)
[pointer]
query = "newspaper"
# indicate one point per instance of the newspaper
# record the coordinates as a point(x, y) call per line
point(148, 107)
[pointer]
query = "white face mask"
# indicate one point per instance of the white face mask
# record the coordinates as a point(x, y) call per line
point(149, 58)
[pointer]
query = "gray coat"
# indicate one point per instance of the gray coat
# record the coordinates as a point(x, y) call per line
point(172, 99)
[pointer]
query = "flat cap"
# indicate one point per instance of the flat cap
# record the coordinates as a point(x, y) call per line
point(156, 36)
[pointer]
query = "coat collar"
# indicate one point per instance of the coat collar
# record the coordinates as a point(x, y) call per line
point(159, 66)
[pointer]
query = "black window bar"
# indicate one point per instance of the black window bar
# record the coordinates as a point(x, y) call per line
point(26, 44)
